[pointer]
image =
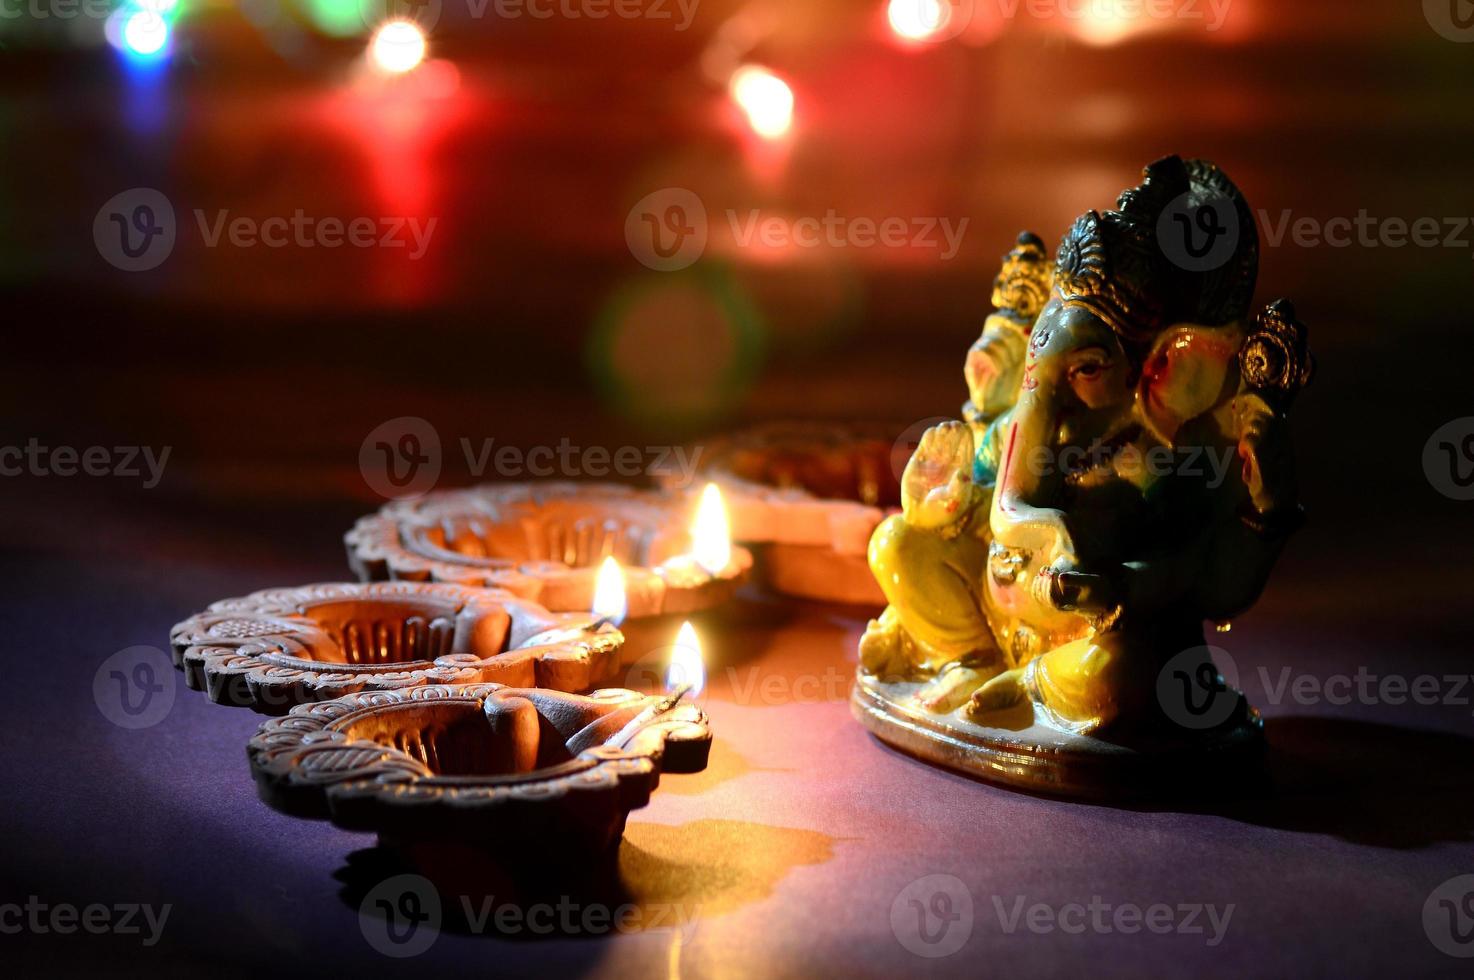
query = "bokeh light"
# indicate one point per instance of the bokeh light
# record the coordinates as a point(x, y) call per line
point(765, 98)
point(397, 46)
point(140, 32)
point(1102, 26)
point(709, 337)
point(918, 20)
point(338, 18)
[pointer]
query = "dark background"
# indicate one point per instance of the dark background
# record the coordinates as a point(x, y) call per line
point(529, 320)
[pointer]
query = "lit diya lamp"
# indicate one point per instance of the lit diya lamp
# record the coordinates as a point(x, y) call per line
point(549, 542)
point(710, 561)
point(807, 496)
point(521, 774)
point(281, 647)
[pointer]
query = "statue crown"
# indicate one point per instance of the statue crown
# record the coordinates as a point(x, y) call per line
point(1128, 266)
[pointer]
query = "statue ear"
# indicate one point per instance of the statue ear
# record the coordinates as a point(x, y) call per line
point(1187, 372)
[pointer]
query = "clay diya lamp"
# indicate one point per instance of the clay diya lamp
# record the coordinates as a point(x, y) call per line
point(806, 497)
point(522, 774)
point(282, 647)
point(547, 542)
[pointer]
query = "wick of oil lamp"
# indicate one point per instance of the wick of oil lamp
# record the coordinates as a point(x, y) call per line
point(685, 675)
point(655, 709)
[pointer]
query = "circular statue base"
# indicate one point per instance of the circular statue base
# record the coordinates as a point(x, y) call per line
point(1019, 752)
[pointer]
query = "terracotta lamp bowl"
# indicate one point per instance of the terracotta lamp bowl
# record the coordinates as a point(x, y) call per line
point(807, 497)
point(544, 541)
point(282, 647)
point(519, 772)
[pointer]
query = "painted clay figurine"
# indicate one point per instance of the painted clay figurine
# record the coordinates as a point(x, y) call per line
point(1123, 475)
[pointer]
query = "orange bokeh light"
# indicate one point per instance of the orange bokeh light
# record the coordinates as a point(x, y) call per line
point(765, 98)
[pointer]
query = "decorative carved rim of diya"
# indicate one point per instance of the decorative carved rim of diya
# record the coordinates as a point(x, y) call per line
point(282, 647)
point(544, 541)
point(520, 770)
point(811, 494)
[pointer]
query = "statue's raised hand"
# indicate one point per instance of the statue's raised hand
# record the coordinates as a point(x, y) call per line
point(1264, 448)
point(937, 487)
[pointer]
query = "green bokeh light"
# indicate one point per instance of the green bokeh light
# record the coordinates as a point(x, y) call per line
point(340, 18)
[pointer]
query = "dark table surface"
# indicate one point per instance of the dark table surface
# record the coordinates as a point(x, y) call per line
point(791, 855)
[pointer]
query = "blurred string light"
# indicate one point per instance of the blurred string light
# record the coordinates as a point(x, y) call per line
point(919, 20)
point(141, 29)
point(398, 46)
point(766, 100)
point(1102, 26)
point(337, 18)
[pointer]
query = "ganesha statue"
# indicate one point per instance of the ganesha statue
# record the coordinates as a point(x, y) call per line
point(1121, 476)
